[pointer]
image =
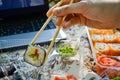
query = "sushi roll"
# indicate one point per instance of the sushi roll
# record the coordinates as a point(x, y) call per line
point(97, 38)
point(93, 31)
point(117, 33)
point(102, 47)
point(107, 32)
point(114, 49)
point(35, 55)
point(110, 38)
point(101, 31)
point(118, 39)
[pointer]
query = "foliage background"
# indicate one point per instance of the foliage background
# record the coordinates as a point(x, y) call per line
point(53, 2)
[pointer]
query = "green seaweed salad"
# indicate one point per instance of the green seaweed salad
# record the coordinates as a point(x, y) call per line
point(67, 51)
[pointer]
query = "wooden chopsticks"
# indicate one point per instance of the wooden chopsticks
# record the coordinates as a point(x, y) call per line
point(44, 25)
point(56, 34)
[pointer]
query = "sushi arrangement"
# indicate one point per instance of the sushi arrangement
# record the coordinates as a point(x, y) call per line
point(105, 41)
point(107, 36)
point(35, 55)
point(30, 61)
point(104, 45)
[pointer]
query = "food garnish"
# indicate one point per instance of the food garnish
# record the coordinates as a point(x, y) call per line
point(67, 51)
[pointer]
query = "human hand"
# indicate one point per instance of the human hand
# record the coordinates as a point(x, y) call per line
point(103, 14)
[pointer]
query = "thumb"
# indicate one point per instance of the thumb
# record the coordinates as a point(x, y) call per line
point(78, 7)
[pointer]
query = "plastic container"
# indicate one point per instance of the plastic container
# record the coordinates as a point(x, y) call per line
point(70, 62)
point(105, 65)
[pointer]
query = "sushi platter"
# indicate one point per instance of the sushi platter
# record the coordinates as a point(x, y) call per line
point(105, 47)
point(57, 65)
point(79, 64)
point(14, 66)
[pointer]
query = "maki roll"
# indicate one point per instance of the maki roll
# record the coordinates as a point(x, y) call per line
point(118, 36)
point(114, 49)
point(107, 31)
point(97, 38)
point(110, 38)
point(93, 31)
point(35, 55)
point(101, 31)
point(102, 47)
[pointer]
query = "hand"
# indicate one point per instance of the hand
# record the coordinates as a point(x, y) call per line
point(103, 14)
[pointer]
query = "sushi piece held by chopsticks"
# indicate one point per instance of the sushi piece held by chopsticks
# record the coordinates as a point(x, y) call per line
point(35, 55)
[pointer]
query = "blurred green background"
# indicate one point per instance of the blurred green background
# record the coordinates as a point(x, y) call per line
point(52, 2)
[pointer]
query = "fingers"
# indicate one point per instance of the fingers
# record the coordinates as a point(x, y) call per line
point(50, 11)
point(71, 22)
point(58, 21)
point(78, 7)
point(66, 8)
